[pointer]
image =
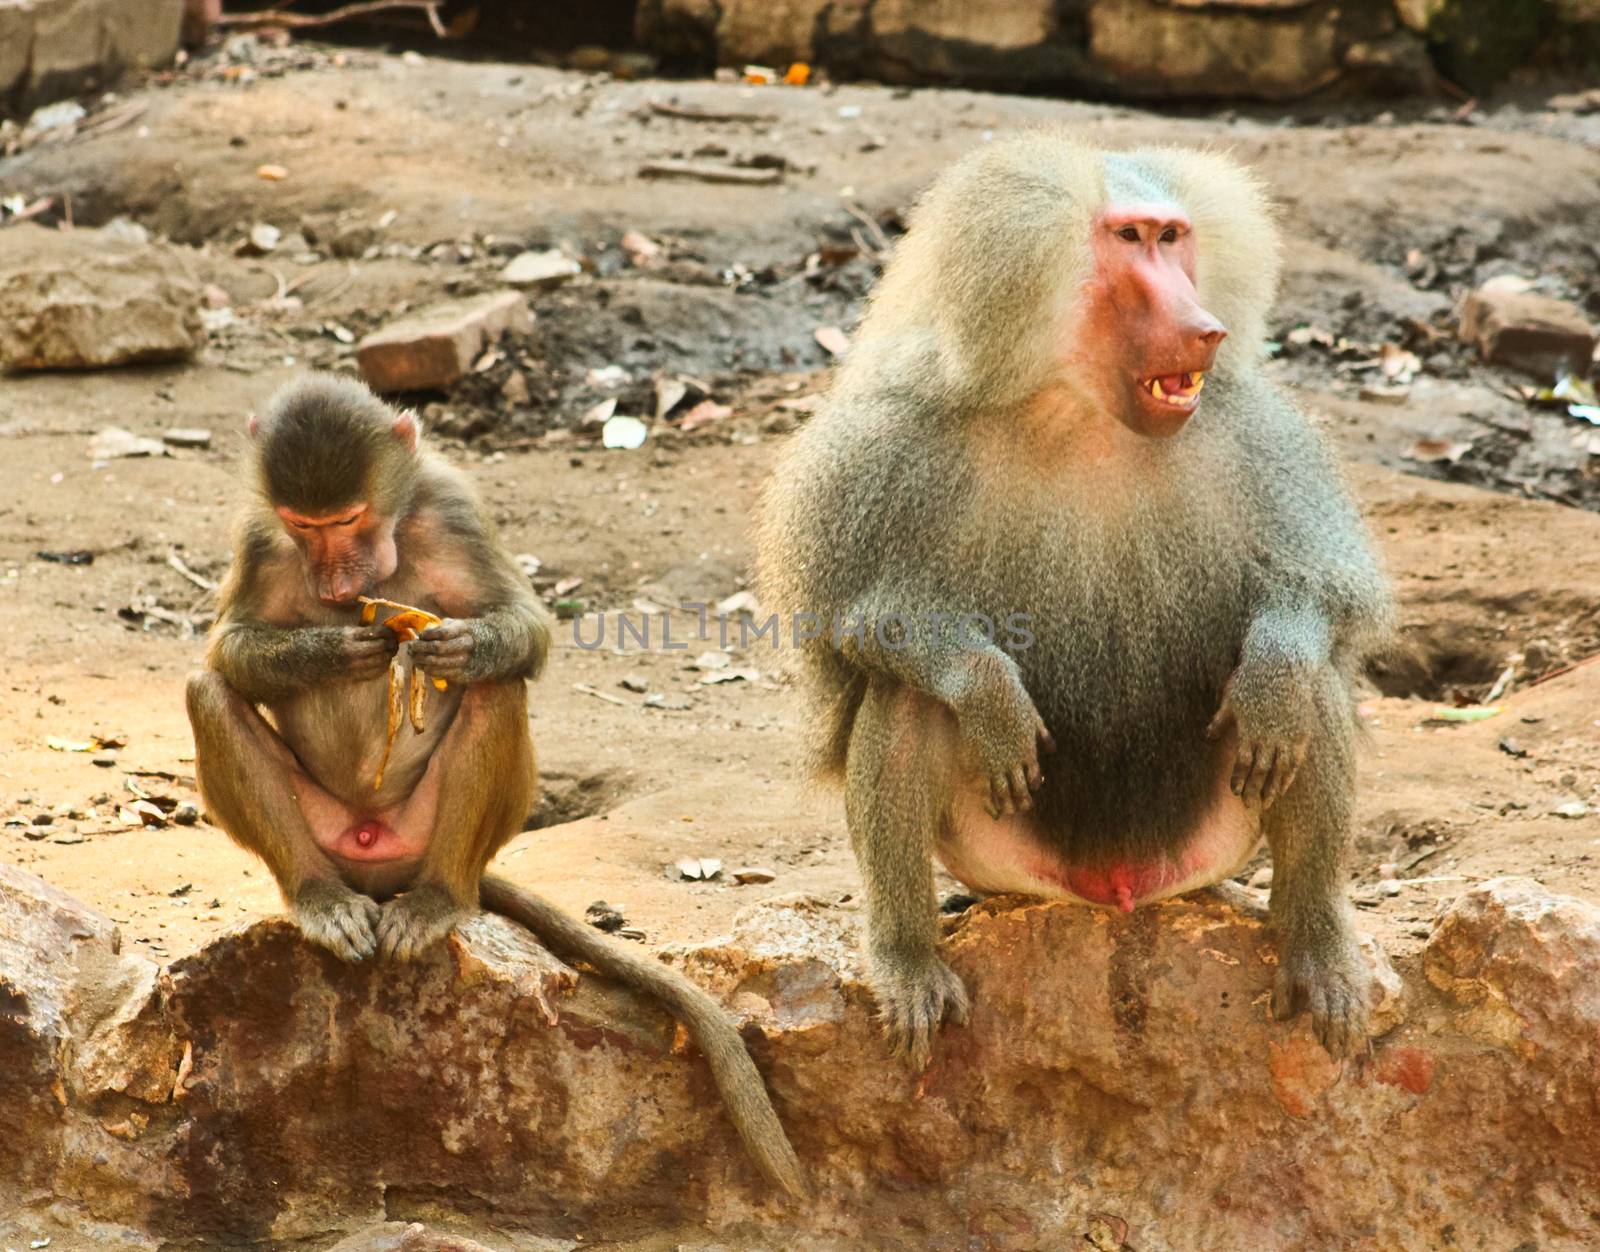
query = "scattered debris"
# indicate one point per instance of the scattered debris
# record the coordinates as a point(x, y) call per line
point(706, 172)
point(1448, 451)
point(700, 868)
point(77, 556)
point(606, 917)
point(1576, 102)
point(345, 13)
point(637, 683)
point(549, 268)
point(623, 432)
point(688, 113)
point(832, 339)
point(1382, 393)
point(586, 689)
point(753, 874)
point(114, 442)
point(1573, 808)
point(262, 239)
point(272, 173)
point(705, 412)
point(1471, 713)
point(175, 562)
point(1513, 749)
point(186, 437)
point(643, 252)
point(730, 676)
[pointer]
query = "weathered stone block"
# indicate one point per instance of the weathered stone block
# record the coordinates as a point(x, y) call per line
point(433, 348)
point(52, 48)
point(1537, 334)
point(1154, 48)
point(81, 299)
point(1119, 1073)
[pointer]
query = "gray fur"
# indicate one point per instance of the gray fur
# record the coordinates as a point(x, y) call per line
point(1227, 569)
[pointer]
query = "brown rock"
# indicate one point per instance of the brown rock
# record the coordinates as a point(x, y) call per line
point(82, 300)
point(1265, 49)
point(54, 48)
point(59, 972)
point(1539, 335)
point(1120, 1075)
point(401, 1237)
point(433, 348)
point(1156, 49)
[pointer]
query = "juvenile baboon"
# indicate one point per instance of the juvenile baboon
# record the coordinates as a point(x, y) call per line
point(1073, 630)
point(292, 714)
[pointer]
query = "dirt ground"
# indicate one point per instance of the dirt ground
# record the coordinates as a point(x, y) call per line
point(451, 167)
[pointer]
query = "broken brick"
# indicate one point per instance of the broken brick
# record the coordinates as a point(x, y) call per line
point(433, 348)
point(1539, 335)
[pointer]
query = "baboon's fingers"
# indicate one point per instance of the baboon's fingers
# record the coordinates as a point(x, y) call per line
point(357, 924)
point(1047, 741)
point(957, 1007)
point(1285, 995)
point(1241, 769)
point(1021, 792)
point(1220, 723)
point(992, 806)
point(1260, 773)
point(1000, 784)
point(1282, 776)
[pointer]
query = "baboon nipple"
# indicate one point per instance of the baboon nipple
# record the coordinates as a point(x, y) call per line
point(1124, 898)
point(366, 835)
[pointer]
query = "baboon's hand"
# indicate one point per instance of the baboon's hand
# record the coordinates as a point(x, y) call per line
point(341, 920)
point(998, 719)
point(1334, 985)
point(362, 652)
point(416, 921)
point(913, 1001)
point(1272, 710)
point(447, 651)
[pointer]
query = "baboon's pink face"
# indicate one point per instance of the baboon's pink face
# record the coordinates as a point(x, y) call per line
point(1142, 329)
point(346, 553)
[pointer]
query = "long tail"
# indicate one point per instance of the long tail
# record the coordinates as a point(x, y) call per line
point(735, 1073)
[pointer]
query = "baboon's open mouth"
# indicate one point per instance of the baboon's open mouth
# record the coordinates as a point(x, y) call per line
point(1180, 391)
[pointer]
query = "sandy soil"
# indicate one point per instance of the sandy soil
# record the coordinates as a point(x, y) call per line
point(478, 160)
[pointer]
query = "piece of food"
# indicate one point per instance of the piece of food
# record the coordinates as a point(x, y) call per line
point(406, 621)
point(397, 705)
point(419, 700)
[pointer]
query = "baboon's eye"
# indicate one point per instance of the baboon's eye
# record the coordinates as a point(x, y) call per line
point(1170, 235)
point(1130, 233)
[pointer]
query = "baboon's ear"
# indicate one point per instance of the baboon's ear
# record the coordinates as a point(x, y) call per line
point(406, 429)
